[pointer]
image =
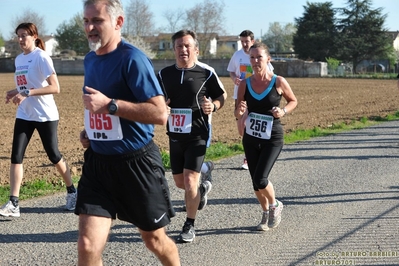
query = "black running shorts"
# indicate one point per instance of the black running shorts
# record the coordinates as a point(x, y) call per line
point(187, 154)
point(131, 187)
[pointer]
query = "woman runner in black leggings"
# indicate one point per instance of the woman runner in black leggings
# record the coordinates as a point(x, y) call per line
point(258, 100)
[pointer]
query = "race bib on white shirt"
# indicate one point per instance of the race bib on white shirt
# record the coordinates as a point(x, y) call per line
point(259, 125)
point(180, 120)
point(103, 127)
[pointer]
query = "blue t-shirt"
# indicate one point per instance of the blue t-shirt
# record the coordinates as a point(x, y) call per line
point(126, 74)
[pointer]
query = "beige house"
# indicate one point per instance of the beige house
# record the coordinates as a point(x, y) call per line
point(162, 43)
point(12, 48)
point(230, 41)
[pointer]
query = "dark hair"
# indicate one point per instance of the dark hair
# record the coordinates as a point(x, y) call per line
point(247, 33)
point(262, 46)
point(182, 33)
point(32, 31)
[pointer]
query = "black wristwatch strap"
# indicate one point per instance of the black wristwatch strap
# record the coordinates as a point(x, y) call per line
point(112, 107)
point(215, 108)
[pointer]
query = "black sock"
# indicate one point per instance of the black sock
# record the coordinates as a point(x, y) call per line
point(190, 221)
point(14, 200)
point(71, 189)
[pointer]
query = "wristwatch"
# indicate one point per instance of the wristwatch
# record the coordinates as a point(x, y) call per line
point(215, 108)
point(112, 107)
point(25, 93)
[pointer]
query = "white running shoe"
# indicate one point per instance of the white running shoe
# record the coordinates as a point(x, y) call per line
point(245, 164)
point(208, 174)
point(9, 210)
point(207, 186)
point(263, 225)
point(275, 215)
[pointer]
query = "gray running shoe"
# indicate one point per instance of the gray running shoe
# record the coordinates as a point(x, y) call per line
point(208, 174)
point(71, 201)
point(275, 215)
point(188, 233)
point(207, 187)
point(9, 210)
point(263, 226)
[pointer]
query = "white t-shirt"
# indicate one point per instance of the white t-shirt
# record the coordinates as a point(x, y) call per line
point(31, 72)
point(241, 66)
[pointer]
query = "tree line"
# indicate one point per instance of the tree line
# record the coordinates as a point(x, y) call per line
point(348, 34)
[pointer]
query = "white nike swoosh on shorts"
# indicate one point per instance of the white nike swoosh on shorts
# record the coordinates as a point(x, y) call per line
point(160, 218)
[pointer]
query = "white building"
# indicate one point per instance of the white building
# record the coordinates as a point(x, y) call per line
point(51, 45)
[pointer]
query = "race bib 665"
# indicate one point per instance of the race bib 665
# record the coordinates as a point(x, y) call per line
point(103, 127)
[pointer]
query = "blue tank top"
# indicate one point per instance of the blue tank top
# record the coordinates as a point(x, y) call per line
point(262, 103)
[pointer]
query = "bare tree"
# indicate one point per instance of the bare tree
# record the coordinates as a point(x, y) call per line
point(174, 19)
point(29, 16)
point(138, 19)
point(141, 44)
point(193, 18)
point(206, 19)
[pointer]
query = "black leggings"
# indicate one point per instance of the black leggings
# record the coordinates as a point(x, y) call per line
point(261, 158)
point(23, 131)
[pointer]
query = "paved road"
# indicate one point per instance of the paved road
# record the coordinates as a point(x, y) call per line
point(341, 196)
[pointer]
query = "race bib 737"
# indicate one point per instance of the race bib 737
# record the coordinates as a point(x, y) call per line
point(180, 120)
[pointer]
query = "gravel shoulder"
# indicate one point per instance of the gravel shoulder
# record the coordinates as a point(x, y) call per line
point(341, 204)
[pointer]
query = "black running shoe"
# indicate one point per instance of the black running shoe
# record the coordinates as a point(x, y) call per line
point(206, 187)
point(188, 233)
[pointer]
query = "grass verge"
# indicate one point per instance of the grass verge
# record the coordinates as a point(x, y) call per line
point(217, 151)
point(36, 188)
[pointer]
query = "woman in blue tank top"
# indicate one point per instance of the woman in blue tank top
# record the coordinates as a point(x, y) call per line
point(258, 100)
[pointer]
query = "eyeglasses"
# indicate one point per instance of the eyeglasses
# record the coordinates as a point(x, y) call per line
point(23, 36)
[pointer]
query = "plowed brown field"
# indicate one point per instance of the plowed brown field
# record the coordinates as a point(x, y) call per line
point(321, 102)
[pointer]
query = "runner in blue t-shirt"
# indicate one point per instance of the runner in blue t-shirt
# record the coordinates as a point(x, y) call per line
point(122, 174)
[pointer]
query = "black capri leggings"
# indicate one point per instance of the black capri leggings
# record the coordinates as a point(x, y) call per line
point(261, 157)
point(23, 131)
